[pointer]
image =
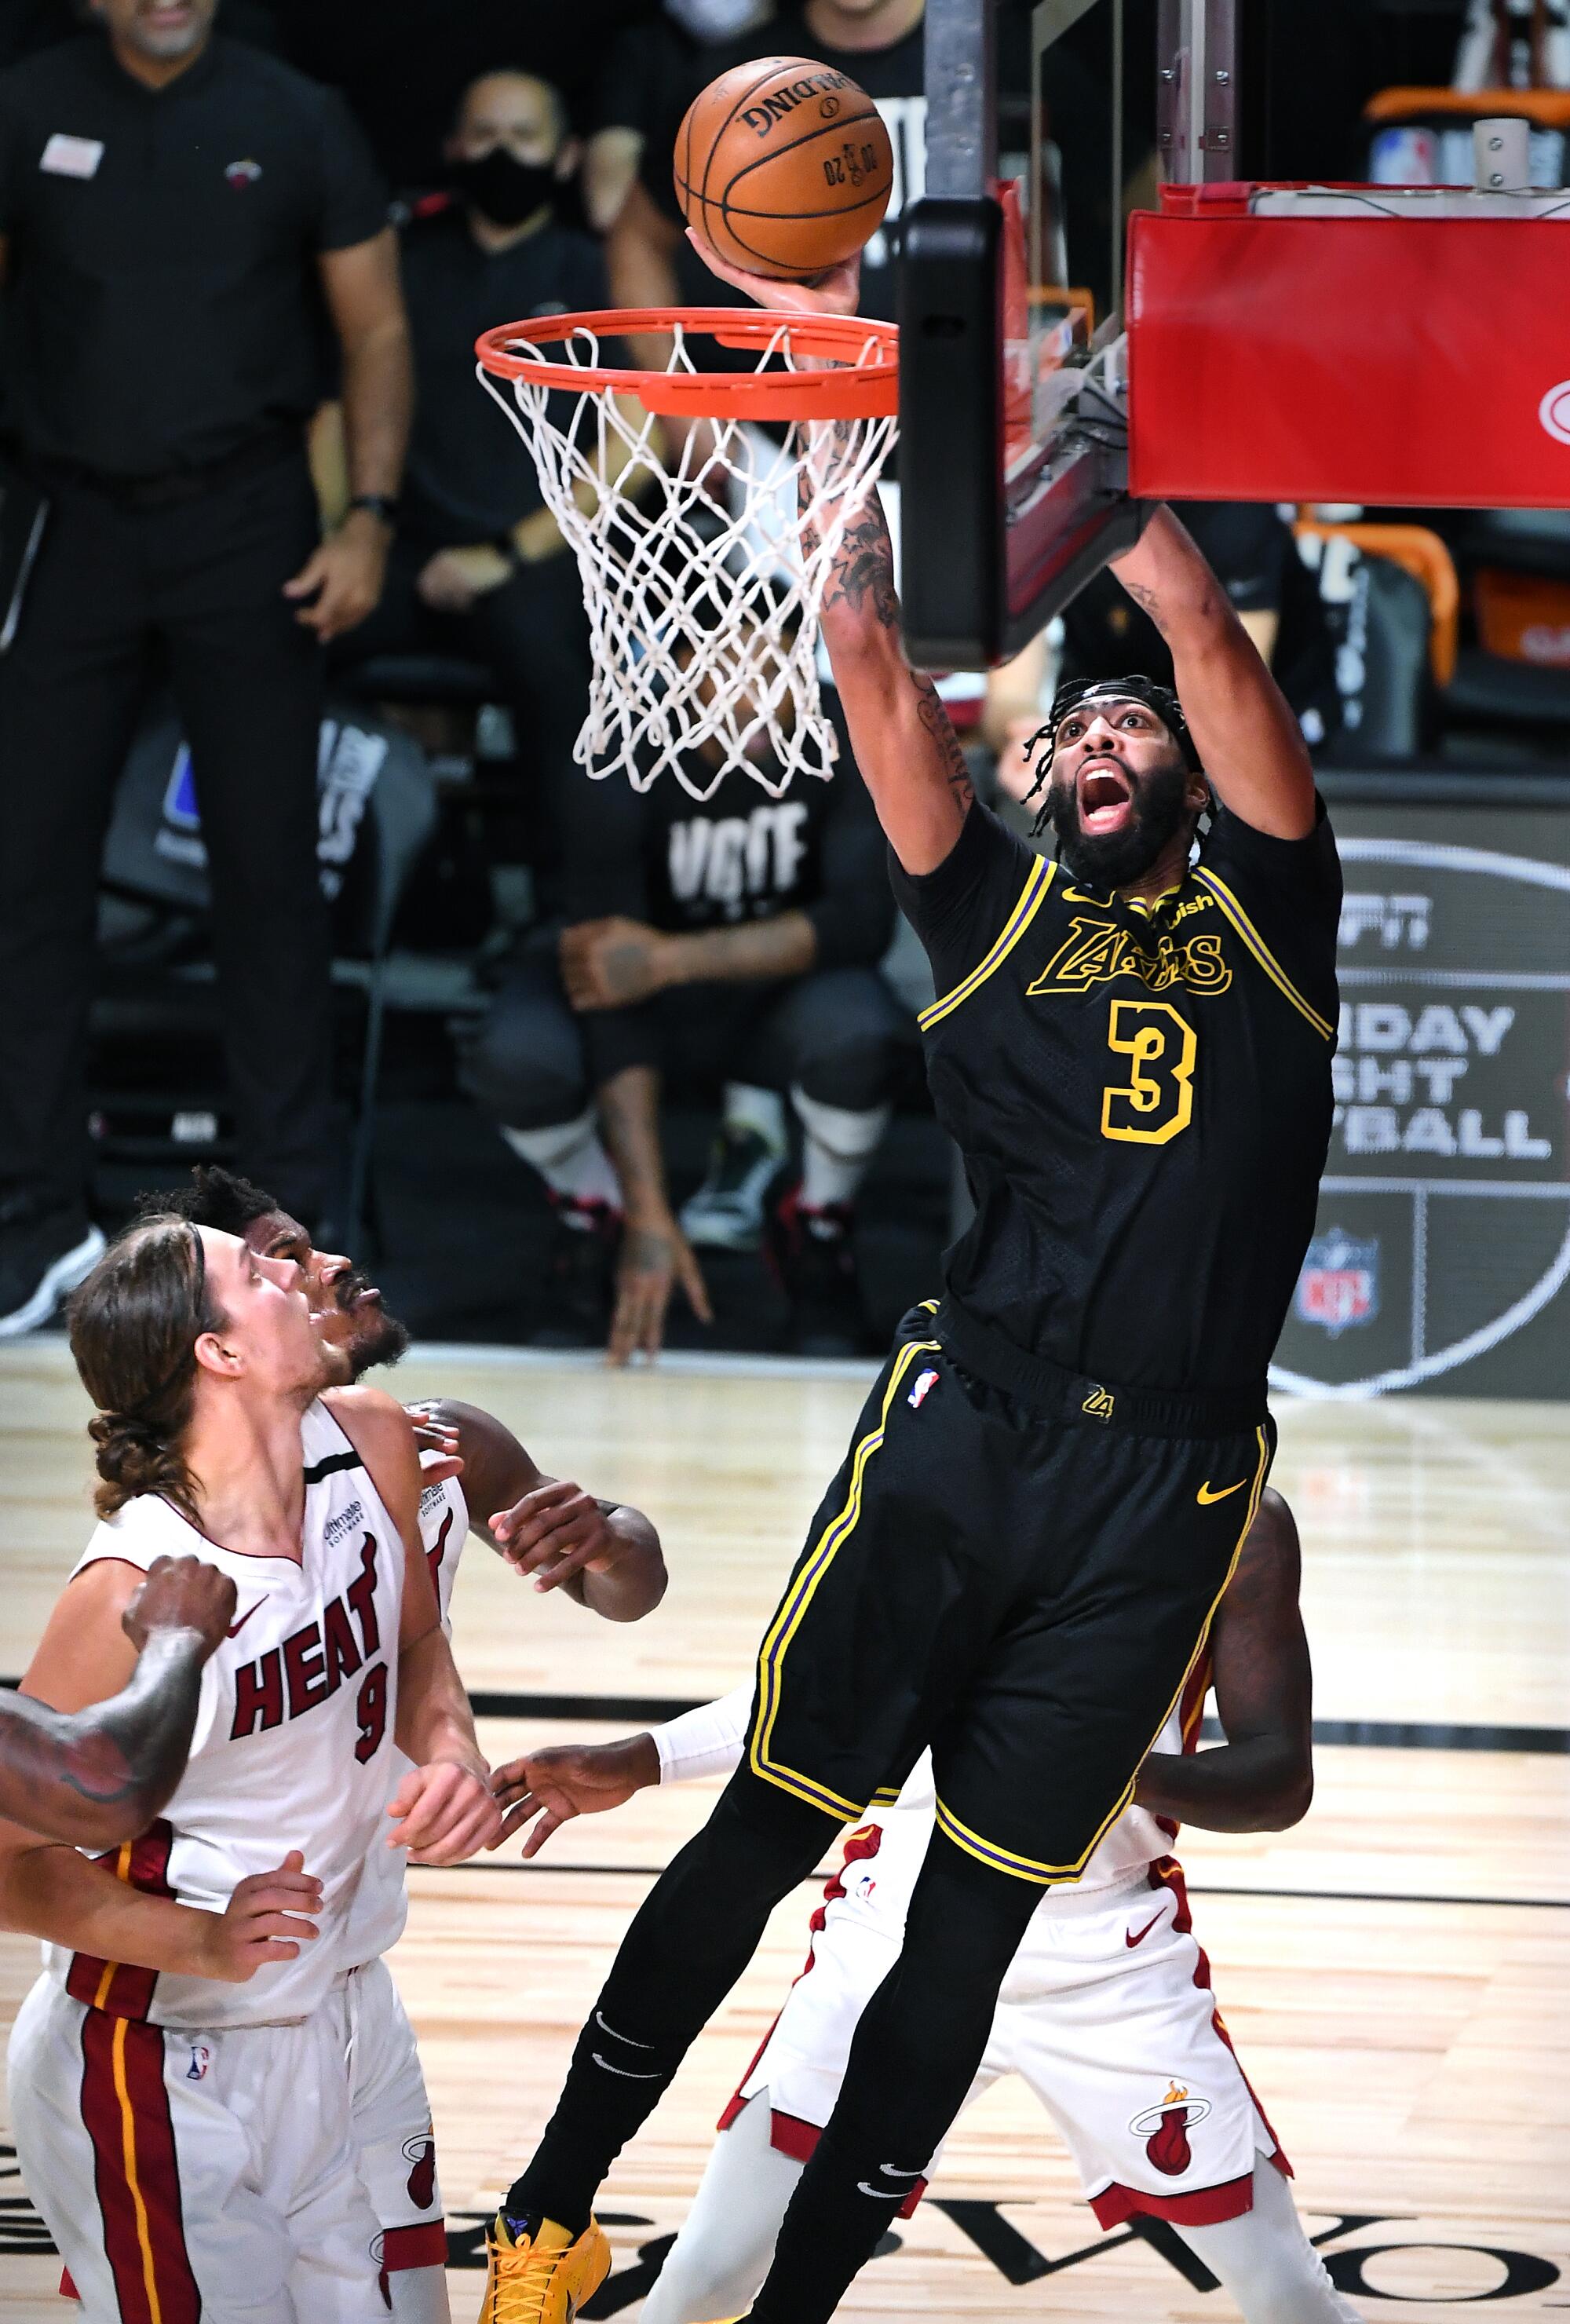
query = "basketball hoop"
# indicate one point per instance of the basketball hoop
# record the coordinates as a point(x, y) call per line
point(702, 577)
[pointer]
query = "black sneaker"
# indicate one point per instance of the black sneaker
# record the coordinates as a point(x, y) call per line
point(579, 1281)
point(811, 1253)
point(728, 1210)
point(41, 1260)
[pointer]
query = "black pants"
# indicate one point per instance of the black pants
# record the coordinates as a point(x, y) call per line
point(201, 583)
point(838, 1032)
point(532, 631)
point(1027, 1595)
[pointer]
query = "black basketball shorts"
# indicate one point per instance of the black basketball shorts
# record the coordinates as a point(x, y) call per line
point(1026, 1596)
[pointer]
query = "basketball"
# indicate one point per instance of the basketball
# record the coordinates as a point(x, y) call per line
point(783, 167)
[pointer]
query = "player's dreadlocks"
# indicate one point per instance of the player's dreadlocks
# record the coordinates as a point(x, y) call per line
point(1079, 690)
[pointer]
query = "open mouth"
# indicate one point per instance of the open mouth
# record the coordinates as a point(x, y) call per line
point(1106, 797)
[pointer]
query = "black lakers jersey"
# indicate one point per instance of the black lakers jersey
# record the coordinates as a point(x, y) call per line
point(1142, 1096)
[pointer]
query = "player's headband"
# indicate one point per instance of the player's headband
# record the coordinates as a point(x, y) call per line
point(1077, 693)
point(1159, 698)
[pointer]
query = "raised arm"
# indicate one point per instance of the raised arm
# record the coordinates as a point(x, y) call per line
point(1250, 744)
point(900, 734)
point(603, 1554)
point(97, 1775)
point(1262, 1778)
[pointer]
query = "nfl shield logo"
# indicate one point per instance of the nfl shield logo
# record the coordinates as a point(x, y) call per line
point(1339, 1284)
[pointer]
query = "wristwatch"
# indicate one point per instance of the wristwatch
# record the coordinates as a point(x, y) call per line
point(380, 504)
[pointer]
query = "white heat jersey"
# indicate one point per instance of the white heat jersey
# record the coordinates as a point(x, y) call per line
point(880, 1880)
point(293, 1740)
point(380, 1905)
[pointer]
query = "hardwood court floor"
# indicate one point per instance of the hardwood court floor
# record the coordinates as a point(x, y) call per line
point(1393, 1971)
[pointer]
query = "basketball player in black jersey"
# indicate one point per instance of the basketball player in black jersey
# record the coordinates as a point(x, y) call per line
point(1050, 1485)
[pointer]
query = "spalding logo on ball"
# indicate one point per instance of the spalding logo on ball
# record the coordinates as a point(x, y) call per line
point(784, 168)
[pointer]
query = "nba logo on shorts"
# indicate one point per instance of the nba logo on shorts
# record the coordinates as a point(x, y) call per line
point(924, 1383)
point(201, 2059)
point(1339, 1284)
point(179, 794)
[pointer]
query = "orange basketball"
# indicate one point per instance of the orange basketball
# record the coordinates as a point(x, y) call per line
point(784, 168)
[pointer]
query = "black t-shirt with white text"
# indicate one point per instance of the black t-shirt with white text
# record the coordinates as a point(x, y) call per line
point(1142, 1098)
point(685, 865)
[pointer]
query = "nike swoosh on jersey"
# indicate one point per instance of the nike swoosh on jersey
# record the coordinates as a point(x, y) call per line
point(237, 1626)
point(1205, 1495)
point(1130, 1939)
point(883, 2194)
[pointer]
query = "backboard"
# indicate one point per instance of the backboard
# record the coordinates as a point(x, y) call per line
point(1045, 124)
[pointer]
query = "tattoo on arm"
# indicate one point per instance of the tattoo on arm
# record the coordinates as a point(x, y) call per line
point(125, 1755)
point(862, 574)
point(935, 719)
point(1147, 603)
point(629, 1106)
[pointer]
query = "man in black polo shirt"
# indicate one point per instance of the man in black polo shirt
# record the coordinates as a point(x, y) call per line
point(480, 567)
point(175, 210)
point(1049, 1486)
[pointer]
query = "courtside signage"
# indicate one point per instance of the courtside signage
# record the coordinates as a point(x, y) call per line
point(1444, 1225)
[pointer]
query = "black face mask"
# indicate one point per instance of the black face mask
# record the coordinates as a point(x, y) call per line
point(503, 189)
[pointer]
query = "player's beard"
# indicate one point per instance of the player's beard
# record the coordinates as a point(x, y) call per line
point(1160, 804)
point(379, 1338)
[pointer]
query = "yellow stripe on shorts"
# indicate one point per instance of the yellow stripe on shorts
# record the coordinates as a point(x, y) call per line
point(799, 1597)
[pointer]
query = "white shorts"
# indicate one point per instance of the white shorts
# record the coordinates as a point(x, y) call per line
point(1106, 2014)
point(188, 2173)
point(394, 2144)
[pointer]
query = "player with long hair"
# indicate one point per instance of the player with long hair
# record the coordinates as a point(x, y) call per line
point(179, 2076)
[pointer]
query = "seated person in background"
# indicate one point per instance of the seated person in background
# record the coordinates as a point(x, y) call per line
point(1250, 550)
point(655, 67)
point(735, 941)
point(479, 567)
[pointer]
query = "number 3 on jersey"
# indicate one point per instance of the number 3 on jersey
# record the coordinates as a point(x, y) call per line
point(1157, 1099)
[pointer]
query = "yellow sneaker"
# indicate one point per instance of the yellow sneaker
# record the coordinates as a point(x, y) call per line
point(542, 2278)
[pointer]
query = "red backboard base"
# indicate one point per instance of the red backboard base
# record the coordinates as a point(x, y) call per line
point(1411, 354)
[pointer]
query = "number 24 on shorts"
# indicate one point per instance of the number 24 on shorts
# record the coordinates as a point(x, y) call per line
point(1157, 1099)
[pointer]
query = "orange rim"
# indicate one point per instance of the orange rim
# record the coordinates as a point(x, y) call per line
point(864, 385)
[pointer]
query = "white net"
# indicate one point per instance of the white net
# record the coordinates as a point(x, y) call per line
point(702, 577)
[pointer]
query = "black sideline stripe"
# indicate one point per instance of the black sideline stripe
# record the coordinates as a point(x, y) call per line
point(1195, 1889)
point(643, 1710)
point(1382, 1734)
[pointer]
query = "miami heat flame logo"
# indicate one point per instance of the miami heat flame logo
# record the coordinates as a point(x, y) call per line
point(1165, 2129)
point(422, 2178)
